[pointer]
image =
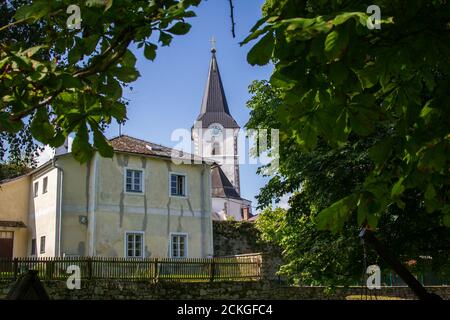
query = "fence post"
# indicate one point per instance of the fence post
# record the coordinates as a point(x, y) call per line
point(156, 270)
point(49, 268)
point(89, 265)
point(212, 267)
point(16, 268)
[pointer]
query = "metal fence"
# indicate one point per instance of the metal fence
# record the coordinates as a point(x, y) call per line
point(235, 268)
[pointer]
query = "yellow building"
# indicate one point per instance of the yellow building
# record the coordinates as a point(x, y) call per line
point(137, 204)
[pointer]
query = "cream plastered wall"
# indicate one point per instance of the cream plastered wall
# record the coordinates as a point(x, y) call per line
point(14, 197)
point(43, 211)
point(154, 212)
point(75, 204)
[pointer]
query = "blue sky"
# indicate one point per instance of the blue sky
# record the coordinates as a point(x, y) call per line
point(169, 92)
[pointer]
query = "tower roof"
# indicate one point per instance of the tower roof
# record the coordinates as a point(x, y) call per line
point(214, 105)
point(221, 186)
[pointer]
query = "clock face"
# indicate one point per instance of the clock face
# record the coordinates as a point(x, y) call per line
point(216, 130)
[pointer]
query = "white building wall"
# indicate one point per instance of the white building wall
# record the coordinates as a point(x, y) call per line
point(232, 207)
point(43, 212)
point(228, 157)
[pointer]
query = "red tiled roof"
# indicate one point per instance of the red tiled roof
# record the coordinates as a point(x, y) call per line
point(129, 144)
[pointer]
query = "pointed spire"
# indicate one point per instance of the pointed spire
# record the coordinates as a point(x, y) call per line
point(214, 107)
point(213, 45)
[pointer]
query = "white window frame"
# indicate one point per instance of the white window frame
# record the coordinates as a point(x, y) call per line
point(186, 244)
point(125, 245)
point(40, 244)
point(35, 189)
point(142, 192)
point(186, 189)
point(44, 185)
point(33, 251)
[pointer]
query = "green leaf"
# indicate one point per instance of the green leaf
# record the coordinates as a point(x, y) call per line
point(116, 110)
point(338, 72)
point(75, 54)
point(32, 51)
point(362, 119)
point(380, 152)
point(363, 211)
point(165, 38)
point(335, 43)
point(398, 188)
point(256, 34)
point(34, 11)
point(334, 217)
point(70, 82)
point(126, 74)
point(446, 220)
point(369, 75)
point(81, 149)
point(128, 59)
point(358, 16)
point(95, 3)
point(9, 126)
point(430, 193)
point(108, 4)
point(307, 137)
point(40, 126)
point(261, 52)
point(103, 147)
point(112, 89)
point(180, 28)
point(150, 51)
point(57, 140)
point(90, 43)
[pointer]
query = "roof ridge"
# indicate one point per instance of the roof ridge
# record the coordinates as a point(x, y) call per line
point(164, 149)
point(142, 140)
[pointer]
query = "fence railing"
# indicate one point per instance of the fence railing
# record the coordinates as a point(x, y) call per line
point(154, 269)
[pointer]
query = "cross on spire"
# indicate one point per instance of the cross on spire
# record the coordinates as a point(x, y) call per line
point(213, 44)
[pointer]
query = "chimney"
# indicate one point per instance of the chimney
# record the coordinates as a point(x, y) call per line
point(245, 215)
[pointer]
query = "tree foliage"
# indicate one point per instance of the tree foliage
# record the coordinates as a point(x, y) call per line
point(72, 79)
point(342, 83)
point(319, 179)
point(17, 150)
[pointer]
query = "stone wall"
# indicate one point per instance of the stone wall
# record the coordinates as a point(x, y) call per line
point(232, 237)
point(241, 237)
point(114, 289)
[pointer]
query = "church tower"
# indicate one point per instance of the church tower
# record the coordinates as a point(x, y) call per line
point(215, 132)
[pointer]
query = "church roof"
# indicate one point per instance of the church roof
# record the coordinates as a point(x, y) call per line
point(221, 187)
point(214, 105)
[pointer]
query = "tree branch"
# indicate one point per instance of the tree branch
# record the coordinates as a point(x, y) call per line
point(232, 18)
point(128, 36)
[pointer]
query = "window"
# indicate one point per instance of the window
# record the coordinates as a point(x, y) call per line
point(215, 149)
point(42, 248)
point(133, 181)
point(36, 189)
point(6, 235)
point(134, 244)
point(179, 245)
point(33, 247)
point(44, 185)
point(177, 185)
